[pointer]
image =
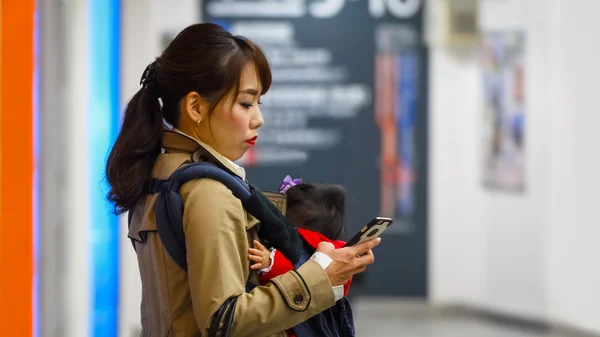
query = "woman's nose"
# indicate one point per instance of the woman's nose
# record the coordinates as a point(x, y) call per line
point(257, 121)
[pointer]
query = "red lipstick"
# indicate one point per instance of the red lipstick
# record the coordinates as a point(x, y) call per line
point(252, 140)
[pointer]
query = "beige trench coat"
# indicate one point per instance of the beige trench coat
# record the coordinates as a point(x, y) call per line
point(218, 233)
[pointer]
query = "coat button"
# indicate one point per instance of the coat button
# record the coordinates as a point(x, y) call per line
point(298, 299)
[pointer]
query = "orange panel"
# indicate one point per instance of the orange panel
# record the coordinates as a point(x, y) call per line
point(16, 170)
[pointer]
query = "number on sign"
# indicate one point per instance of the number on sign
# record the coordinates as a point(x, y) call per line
point(398, 8)
point(325, 9)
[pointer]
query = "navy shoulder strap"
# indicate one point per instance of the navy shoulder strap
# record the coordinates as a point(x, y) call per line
point(169, 205)
point(275, 227)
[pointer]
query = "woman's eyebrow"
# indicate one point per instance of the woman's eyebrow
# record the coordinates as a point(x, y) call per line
point(250, 91)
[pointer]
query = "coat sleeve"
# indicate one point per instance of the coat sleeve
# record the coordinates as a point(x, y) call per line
point(218, 267)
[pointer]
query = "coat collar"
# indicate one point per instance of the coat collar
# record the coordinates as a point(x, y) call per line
point(174, 141)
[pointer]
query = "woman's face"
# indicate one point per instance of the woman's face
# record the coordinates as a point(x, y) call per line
point(232, 127)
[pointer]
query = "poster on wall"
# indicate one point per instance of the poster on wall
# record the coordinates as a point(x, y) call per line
point(346, 106)
point(396, 92)
point(504, 111)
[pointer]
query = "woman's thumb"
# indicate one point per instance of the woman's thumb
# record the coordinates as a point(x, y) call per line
point(325, 247)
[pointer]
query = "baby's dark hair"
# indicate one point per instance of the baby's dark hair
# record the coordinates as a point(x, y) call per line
point(319, 208)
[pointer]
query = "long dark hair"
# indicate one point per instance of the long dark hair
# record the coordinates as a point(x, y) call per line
point(319, 208)
point(203, 58)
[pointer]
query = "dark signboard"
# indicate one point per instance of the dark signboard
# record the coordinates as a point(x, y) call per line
point(347, 106)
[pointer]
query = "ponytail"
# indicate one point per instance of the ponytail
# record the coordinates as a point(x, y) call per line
point(132, 157)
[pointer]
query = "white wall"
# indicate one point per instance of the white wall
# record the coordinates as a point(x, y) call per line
point(532, 254)
point(573, 270)
point(73, 181)
point(64, 295)
point(456, 234)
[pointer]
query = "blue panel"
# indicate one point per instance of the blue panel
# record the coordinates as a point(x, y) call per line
point(103, 119)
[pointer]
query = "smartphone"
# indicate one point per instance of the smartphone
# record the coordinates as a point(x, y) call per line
point(371, 231)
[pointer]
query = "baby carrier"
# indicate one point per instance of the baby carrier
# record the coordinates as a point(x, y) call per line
point(274, 228)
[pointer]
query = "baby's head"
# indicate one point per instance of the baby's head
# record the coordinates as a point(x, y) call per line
point(318, 207)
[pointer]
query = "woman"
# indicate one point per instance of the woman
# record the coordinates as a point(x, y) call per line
point(207, 84)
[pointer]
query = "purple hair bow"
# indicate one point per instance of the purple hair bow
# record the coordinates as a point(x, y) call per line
point(288, 182)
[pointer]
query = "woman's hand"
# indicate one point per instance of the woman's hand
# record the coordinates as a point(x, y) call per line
point(261, 256)
point(347, 261)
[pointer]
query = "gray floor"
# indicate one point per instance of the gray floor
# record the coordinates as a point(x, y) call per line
point(381, 318)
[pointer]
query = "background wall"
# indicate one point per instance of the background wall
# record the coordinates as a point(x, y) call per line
point(573, 235)
point(527, 255)
point(64, 257)
point(531, 255)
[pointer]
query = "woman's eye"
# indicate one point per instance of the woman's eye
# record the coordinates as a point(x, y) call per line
point(247, 105)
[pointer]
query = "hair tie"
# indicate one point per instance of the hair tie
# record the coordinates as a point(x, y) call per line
point(149, 75)
point(288, 183)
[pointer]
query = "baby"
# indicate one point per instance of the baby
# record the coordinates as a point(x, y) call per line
point(318, 210)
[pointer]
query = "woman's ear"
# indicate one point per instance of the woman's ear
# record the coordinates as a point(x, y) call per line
point(195, 107)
